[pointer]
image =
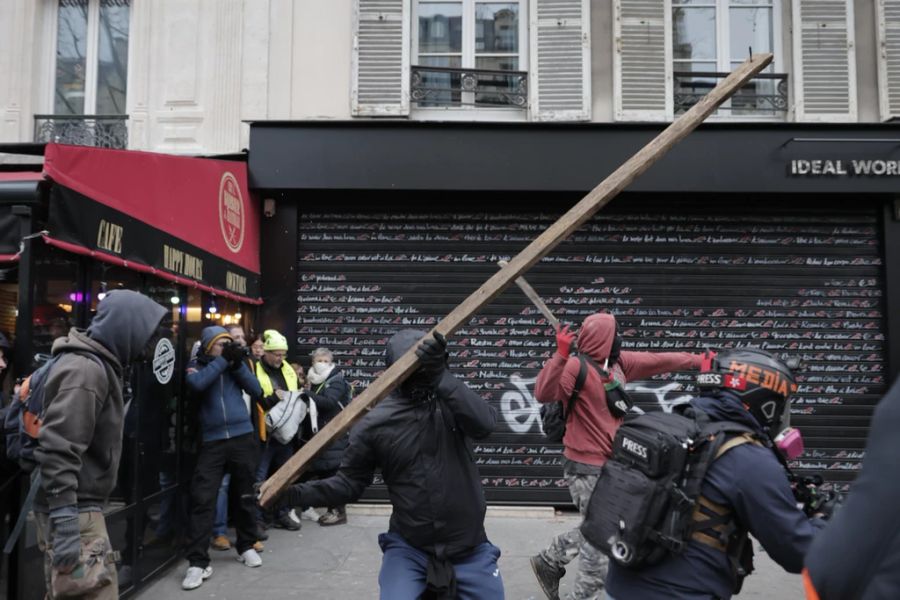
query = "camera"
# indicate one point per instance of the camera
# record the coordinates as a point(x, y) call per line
point(234, 352)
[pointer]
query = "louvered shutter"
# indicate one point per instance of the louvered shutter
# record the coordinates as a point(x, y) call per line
point(560, 50)
point(824, 60)
point(889, 58)
point(642, 76)
point(381, 58)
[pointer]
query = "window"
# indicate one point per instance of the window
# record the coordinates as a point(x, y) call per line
point(712, 37)
point(469, 53)
point(91, 57)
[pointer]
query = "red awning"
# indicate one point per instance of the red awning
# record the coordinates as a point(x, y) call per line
point(21, 176)
point(189, 220)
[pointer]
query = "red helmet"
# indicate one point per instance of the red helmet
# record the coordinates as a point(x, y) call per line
point(763, 382)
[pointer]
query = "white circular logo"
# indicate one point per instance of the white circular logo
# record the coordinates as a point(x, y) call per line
point(164, 361)
point(231, 212)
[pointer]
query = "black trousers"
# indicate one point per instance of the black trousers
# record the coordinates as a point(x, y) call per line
point(238, 456)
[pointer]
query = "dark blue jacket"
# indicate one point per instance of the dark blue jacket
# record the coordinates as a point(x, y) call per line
point(331, 397)
point(748, 479)
point(858, 554)
point(223, 413)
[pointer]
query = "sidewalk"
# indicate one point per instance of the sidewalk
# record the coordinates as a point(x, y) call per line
point(342, 562)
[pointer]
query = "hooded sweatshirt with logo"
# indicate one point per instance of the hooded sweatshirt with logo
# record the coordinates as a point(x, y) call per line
point(223, 413)
point(590, 427)
point(80, 440)
point(420, 436)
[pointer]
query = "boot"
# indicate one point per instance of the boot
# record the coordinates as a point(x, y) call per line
point(547, 575)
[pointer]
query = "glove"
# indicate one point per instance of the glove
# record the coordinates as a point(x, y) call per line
point(564, 339)
point(830, 506)
point(66, 541)
point(234, 354)
point(432, 353)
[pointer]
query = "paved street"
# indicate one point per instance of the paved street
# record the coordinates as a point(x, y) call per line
point(342, 562)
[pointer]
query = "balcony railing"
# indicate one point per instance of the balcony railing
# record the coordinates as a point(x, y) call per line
point(445, 86)
point(101, 131)
point(766, 95)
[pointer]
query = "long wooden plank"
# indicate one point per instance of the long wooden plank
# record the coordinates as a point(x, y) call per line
point(537, 249)
point(532, 295)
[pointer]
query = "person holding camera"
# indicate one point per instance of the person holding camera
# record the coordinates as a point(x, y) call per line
point(276, 377)
point(218, 375)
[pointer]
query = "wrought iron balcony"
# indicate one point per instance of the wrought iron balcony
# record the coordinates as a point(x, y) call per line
point(766, 95)
point(445, 86)
point(101, 131)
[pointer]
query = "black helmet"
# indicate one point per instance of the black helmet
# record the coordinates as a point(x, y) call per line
point(763, 382)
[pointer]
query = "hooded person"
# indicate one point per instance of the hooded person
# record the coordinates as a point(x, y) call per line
point(219, 376)
point(590, 428)
point(80, 440)
point(420, 437)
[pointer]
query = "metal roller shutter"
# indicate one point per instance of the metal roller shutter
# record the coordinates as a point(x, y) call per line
point(794, 281)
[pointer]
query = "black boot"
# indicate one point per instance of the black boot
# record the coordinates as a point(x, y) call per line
point(547, 575)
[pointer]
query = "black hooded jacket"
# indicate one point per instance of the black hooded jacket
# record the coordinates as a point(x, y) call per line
point(857, 557)
point(420, 437)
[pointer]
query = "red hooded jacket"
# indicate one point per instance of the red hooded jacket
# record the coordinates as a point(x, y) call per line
point(590, 427)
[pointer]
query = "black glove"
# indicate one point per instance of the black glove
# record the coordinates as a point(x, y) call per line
point(831, 505)
point(432, 353)
point(66, 542)
point(234, 354)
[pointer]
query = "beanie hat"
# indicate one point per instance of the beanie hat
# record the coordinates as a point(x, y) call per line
point(272, 340)
point(212, 334)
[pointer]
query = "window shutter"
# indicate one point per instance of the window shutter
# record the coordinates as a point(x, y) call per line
point(889, 58)
point(381, 41)
point(825, 60)
point(560, 60)
point(642, 77)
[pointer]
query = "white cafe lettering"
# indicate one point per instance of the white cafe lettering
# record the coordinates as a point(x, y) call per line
point(109, 236)
point(823, 167)
point(235, 283)
point(182, 263)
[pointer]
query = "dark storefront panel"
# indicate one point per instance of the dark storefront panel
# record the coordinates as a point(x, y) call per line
point(797, 281)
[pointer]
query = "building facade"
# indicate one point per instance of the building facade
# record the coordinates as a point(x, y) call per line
point(402, 147)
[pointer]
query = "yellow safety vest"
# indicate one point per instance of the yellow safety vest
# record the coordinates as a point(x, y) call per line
point(265, 382)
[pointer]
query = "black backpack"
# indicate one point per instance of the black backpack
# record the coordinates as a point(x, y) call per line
point(643, 505)
point(554, 415)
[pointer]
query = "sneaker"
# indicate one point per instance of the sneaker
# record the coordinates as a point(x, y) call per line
point(333, 517)
point(220, 542)
point(195, 577)
point(293, 516)
point(547, 575)
point(258, 546)
point(285, 522)
point(310, 514)
point(250, 558)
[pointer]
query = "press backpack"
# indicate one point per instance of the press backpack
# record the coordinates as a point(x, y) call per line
point(646, 503)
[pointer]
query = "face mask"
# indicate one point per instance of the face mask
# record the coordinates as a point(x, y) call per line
point(790, 443)
point(322, 368)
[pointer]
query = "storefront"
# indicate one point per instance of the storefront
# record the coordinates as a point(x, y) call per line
point(183, 231)
point(780, 236)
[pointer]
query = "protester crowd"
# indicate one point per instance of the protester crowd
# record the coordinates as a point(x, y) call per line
point(668, 500)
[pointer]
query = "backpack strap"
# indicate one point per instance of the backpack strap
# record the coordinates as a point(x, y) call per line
point(579, 383)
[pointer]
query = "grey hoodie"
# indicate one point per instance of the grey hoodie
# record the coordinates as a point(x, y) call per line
point(81, 436)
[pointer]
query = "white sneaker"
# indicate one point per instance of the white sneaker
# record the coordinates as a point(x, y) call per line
point(250, 558)
point(310, 514)
point(195, 576)
point(293, 516)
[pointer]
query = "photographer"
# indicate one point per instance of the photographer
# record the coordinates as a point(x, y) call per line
point(218, 375)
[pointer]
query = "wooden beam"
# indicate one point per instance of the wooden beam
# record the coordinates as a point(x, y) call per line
point(535, 251)
point(533, 296)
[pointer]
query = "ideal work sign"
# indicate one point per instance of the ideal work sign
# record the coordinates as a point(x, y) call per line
point(844, 168)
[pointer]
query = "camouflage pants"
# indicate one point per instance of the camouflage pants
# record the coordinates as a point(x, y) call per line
point(92, 526)
point(566, 546)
